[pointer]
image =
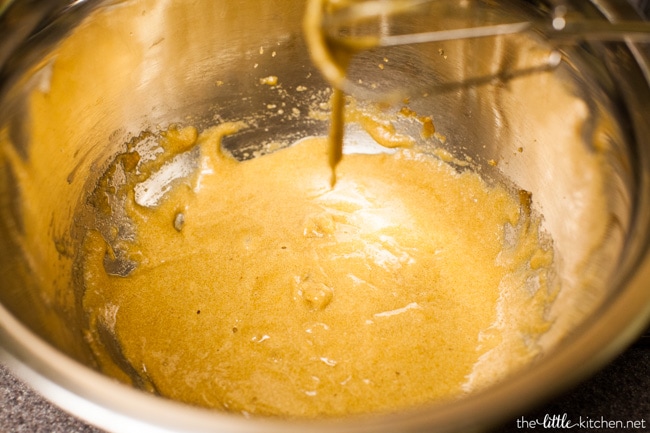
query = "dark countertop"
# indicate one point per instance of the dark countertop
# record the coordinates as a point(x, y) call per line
point(620, 392)
point(22, 410)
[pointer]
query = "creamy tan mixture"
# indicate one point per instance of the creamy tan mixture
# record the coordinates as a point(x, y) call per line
point(258, 288)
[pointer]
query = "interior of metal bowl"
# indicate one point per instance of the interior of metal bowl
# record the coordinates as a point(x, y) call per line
point(76, 90)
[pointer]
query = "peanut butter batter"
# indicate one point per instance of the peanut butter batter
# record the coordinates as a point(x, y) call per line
point(255, 287)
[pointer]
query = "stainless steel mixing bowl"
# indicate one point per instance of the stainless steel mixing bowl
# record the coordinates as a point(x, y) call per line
point(79, 79)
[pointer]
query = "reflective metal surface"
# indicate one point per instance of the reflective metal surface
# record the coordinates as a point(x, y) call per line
point(80, 79)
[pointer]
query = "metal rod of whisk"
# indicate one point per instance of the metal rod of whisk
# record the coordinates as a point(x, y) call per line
point(638, 31)
point(448, 35)
point(572, 31)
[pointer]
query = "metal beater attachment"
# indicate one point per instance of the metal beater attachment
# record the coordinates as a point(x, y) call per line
point(407, 31)
point(339, 24)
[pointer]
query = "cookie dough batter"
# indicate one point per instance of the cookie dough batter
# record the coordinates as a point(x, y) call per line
point(257, 288)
